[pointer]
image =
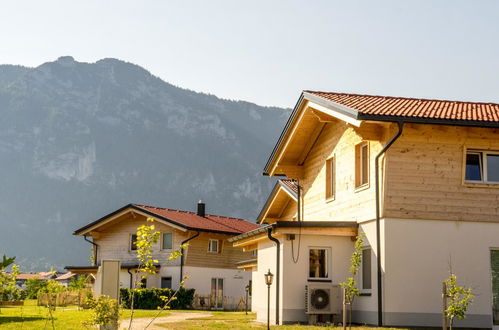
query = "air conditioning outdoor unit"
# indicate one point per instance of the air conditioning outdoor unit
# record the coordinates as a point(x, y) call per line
point(322, 299)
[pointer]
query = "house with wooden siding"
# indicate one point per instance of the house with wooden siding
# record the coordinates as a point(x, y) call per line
point(209, 263)
point(419, 179)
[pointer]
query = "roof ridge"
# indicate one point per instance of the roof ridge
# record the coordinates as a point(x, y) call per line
point(399, 97)
point(190, 212)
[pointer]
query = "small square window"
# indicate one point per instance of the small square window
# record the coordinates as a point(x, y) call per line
point(133, 242)
point(166, 282)
point(167, 243)
point(213, 246)
point(318, 263)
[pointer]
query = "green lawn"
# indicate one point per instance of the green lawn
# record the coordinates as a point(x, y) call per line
point(31, 316)
point(239, 320)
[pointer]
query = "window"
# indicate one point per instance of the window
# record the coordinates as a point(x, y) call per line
point(318, 263)
point(213, 246)
point(330, 178)
point(133, 242)
point(166, 283)
point(365, 270)
point(361, 164)
point(166, 243)
point(482, 167)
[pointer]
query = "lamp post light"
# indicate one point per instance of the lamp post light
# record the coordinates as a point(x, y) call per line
point(247, 288)
point(268, 280)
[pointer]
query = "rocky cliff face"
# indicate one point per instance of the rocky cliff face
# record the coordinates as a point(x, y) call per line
point(79, 140)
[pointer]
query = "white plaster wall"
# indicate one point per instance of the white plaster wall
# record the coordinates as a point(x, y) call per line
point(235, 280)
point(266, 261)
point(369, 303)
point(420, 254)
point(296, 274)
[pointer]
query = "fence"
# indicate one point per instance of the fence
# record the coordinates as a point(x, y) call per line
point(64, 298)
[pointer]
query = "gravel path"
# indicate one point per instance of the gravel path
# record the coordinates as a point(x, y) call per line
point(141, 323)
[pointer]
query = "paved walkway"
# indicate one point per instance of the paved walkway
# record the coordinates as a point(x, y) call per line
point(141, 323)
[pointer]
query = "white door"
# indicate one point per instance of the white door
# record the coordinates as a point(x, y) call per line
point(217, 293)
point(494, 262)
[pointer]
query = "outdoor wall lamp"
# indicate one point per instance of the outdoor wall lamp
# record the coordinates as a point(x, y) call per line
point(268, 280)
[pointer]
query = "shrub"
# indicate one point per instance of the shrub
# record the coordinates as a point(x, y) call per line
point(33, 287)
point(152, 298)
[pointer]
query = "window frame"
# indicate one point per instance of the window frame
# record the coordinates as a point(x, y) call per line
point(163, 242)
point(328, 266)
point(361, 271)
point(218, 245)
point(359, 165)
point(330, 189)
point(166, 277)
point(484, 171)
point(130, 245)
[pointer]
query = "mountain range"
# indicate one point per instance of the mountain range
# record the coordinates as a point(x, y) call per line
point(80, 140)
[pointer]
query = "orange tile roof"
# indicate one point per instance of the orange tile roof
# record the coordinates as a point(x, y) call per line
point(209, 222)
point(404, 107)
point(27, 276)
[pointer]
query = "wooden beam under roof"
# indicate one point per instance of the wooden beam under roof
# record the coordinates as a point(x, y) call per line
point(290, 170)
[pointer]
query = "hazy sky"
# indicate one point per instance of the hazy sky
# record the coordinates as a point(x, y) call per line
point(268, 51)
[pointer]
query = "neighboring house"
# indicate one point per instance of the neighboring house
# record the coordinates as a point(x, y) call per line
point(435, 166)
point(23, 277)
point(209, 262)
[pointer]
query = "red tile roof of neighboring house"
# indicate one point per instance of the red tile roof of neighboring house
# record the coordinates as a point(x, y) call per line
point(66, 276)
point(414, 108)
point(184, 219)
point(27, 276)
point(209, 222)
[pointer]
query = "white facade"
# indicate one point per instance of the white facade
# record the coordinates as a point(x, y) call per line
point(417, 255)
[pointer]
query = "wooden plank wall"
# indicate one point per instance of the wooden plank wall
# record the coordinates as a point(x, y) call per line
point(197, 254)
point(350, 204)
point(114, 243)
point(424, 175)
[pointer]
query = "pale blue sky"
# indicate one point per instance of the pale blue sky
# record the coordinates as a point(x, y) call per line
point(268, 51)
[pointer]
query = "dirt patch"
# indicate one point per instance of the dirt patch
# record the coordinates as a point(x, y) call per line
point(141, 323)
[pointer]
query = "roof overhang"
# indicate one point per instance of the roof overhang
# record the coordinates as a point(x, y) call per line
point(247, 265)
point(249, 239)
point(93, 269)
point(308, 118)
point(280, 196)
point(116, 215)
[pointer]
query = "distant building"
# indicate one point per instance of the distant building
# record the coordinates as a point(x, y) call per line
point(209, 261)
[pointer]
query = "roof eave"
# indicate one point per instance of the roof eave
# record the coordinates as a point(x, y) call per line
point(347, 113)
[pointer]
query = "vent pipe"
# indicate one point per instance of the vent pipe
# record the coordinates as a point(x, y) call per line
point(201, 208)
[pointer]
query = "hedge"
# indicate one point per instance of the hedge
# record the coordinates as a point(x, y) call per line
point(151, 298)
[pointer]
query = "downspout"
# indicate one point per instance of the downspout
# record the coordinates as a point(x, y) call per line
point(96, 247)
point(277, 275)
point(182, 255)
point(378, 226)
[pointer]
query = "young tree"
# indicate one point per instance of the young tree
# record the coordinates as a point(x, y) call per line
point(459, 299)
point(350, 285)
point(147, 236)
point(8, 289)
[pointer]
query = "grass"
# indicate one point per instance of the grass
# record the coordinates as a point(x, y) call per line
point(31, 316)
point(239, 320)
